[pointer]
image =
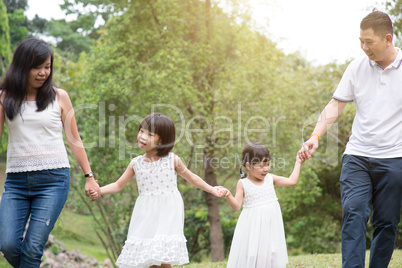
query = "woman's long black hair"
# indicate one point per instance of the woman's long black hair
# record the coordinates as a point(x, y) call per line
point(30, 53)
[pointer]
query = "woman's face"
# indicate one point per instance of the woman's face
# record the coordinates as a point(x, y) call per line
point(38, 75)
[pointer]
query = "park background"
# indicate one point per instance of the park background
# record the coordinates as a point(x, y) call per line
point(215, 71)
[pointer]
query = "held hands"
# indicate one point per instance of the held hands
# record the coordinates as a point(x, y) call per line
point(308, 148)
point(92, 186)
point(299, 160)
point(95, 193)
point(219, 191)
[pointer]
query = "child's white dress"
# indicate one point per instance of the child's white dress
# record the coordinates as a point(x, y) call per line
point(155, 235)
point(259, 237)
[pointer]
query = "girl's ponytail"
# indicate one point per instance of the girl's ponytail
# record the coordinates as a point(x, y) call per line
point(241, 172)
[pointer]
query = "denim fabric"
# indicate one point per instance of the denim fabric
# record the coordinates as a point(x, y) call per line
point(38, 196)
point(370, 182)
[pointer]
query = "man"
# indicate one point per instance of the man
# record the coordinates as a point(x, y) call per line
point(372, 161)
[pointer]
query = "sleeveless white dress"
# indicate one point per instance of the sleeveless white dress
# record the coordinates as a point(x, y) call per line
point(259, 237)
point(155, 234)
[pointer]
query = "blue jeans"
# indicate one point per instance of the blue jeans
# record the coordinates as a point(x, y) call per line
point(39, 196)
point(365, 179)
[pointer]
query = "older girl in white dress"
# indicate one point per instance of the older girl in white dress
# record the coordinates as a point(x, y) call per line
point(155, 236)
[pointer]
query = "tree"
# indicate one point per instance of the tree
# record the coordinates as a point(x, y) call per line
point(5, 51)
point(17, 21)
point(394, 8)
point(203, 67)
point(13, 5)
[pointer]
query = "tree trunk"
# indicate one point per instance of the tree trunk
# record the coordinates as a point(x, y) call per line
point(215, 228)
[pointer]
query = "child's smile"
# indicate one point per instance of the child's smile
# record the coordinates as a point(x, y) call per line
point(259, 170)
point(147, 140)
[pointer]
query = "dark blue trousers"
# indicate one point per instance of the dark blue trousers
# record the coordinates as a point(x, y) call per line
point(365, 179)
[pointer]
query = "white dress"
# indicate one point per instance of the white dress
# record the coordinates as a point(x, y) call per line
point(155, 234)
point(259, 237)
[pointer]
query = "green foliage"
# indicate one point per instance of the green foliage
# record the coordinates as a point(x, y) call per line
point(88, 11)
point(5, 51)
point(55, 249)
point(18, 27)
point(222, 91)
point(394, 8)
point(17, 21)
point(77, 231)
point(13, 5)
point(223, 85)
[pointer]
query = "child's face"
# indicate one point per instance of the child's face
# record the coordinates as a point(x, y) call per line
point(259, 171)
point(147, 141)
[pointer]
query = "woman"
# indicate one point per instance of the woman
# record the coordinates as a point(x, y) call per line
point(37, 182)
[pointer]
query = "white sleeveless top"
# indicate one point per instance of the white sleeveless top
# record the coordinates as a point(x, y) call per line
point(35, 139)
point(257, 195)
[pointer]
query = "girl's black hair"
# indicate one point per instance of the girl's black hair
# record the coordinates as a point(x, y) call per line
point(30, 53)
point(254, 153)
point(164, 127)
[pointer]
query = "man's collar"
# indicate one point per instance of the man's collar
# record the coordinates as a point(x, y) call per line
point(396, 63)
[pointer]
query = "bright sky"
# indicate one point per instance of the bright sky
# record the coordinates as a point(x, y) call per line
point(322, 30)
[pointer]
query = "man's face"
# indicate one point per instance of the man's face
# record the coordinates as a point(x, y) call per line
point(373, 45)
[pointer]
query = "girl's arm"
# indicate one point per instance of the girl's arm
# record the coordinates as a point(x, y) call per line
point(118, 185)
point(194, 179)
point(293, 178)
point(236, 201)
point(74, 139)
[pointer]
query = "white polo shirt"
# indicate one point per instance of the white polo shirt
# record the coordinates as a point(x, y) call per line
point(377, 92)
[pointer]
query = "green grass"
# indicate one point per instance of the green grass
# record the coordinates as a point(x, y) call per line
point(302, 261)
point(310, 261)
point(335, 260)
point(77, 232)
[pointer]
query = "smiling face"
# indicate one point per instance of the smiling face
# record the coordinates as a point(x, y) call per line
point(259, 170)
point(147, 141)
point(38, 75)
point(375, 46)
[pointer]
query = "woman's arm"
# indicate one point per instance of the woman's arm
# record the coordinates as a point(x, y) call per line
point(118, 185)
point(192, 178)
point(236, 201)
point(74, 139)
point(2, 112)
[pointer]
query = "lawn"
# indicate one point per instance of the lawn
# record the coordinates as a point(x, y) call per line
point(76, 232)
point(302, 261)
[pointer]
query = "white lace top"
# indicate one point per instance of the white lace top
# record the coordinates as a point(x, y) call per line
point(35, 139)
point(255, 195)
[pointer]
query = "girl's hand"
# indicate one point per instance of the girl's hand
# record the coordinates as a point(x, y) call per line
point(300, 158)
point(219, 191)
point(228, 193)
point(94, 195)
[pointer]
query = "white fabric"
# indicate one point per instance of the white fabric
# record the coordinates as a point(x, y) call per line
point(259, 237)
point(35, 140)
point(155, 234)
point(377, 92)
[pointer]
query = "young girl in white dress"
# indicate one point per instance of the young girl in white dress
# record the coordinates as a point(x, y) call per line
point(155, 236)
point(259, 237)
